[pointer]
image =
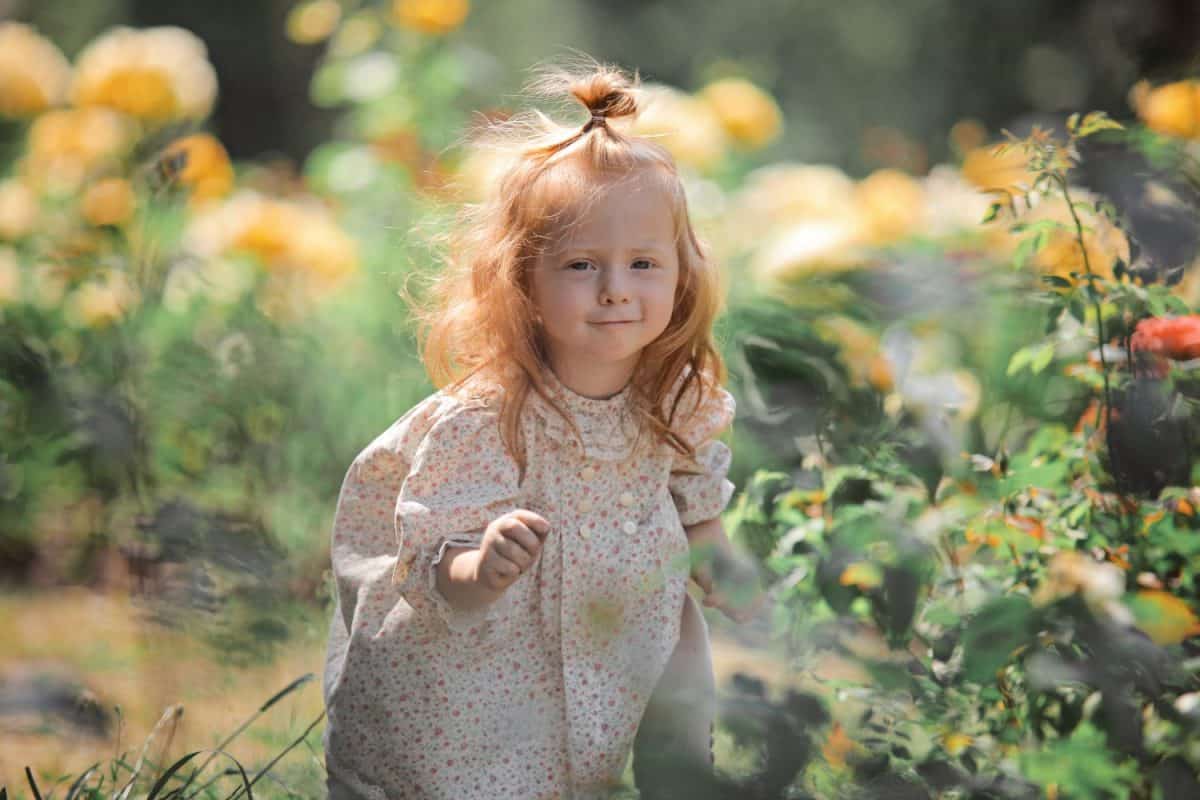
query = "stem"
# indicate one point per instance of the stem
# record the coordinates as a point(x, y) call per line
point(1061, 179)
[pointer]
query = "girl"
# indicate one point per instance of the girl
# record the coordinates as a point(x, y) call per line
point(511, 556)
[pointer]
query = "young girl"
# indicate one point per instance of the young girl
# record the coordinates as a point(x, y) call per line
point(511, 556)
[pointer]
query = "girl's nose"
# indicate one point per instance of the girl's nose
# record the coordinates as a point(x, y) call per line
point(613, 289)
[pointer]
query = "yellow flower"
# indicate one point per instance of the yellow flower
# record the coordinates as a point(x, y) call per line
point(892, 205)
point(989, 170)
point(779, 196)
point(435, 17)
point(357, 35)
point(108, 202)
point(34, 74)
point(817, 246)
point(952, 205)
point(313, 21)
point(1061, 255)
point(10, 276)
point(686, 126)
point(157, 74)
point(286, 237)
point(101, 301)
point(748, 114)
point(860, 351)
point(955, 742)
point(1173, 109)
point(68, 145)
point(199, 162)
point(18, 209)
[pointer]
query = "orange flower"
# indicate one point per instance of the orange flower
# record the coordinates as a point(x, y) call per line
point(108, 202)
point(1173, 109)
point(1177, 338)
point(436, 17)
point(199, 162)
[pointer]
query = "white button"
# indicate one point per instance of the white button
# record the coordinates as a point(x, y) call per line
point(585, 531)
point(629, 527)
point(585, 505)
point(587, 473)
point(626, 499)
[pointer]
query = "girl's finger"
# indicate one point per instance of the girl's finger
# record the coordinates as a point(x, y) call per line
point(504, 567)
point(514, 552)
point(524, 538)
point(534, 521)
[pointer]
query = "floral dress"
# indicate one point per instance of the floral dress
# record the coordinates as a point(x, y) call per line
point(539, 694)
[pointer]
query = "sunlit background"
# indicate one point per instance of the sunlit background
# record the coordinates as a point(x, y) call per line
point(978, 523)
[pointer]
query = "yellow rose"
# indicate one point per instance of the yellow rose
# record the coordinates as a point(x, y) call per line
point(157, 74)
point(34, 74)
point(748, 114)
point(68, 145)
point(813, 247)
point(686, 126)
point(313, 21)
point(988, 170)
point(200, 163)
point(435, 17)
point(300, 242)
point(19, 208)
point(101, 301)
point(892, 204)
point(108, 202)
point(1173, 109)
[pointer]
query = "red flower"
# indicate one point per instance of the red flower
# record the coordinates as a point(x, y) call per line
point(1177, 338)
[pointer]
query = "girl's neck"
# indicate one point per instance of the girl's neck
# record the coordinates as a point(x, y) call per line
point(596, 381)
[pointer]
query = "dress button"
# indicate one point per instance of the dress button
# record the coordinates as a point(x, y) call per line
point(585, 505)
point(626, 499)
point(585, 531)
point(630, 527)
point(587, 473)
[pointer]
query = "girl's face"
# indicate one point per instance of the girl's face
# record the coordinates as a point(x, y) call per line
point(606, 288)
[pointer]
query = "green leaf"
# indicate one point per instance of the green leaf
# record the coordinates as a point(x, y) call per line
point(1081, 766)
point(993, 634)
point(1041, 359)
point(1097, 121)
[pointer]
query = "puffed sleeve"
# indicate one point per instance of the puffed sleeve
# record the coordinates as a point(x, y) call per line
point(700, 488)
point(437, 477)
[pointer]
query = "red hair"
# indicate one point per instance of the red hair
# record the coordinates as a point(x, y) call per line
point(479, 327)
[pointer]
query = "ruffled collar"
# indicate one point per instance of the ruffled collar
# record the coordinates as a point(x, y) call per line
point(607, 426)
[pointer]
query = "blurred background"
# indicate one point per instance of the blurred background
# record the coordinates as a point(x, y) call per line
point(208, 212)
point(860, 84)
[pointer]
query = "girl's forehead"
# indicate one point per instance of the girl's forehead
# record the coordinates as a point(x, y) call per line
point(629, 207)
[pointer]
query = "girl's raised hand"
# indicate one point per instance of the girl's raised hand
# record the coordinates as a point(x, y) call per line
point(510, 546)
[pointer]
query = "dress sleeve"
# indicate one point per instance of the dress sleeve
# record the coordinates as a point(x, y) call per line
point(700, 488)
point(436, 478)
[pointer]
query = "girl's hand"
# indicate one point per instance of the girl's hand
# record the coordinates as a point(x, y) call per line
point(730, 581)
point(510, 546)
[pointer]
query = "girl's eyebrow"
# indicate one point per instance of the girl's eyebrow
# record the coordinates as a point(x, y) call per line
point(591, 251)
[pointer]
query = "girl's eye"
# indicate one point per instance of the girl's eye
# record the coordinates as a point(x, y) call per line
point(648, 264)
point(574, 265)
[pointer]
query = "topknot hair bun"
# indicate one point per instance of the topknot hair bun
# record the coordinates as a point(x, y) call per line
point(606, 93)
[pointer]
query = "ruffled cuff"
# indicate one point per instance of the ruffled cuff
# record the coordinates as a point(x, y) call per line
point(417, 581)
point(704, 495)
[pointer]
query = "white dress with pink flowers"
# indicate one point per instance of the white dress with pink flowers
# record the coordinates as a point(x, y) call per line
point(539, 694)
